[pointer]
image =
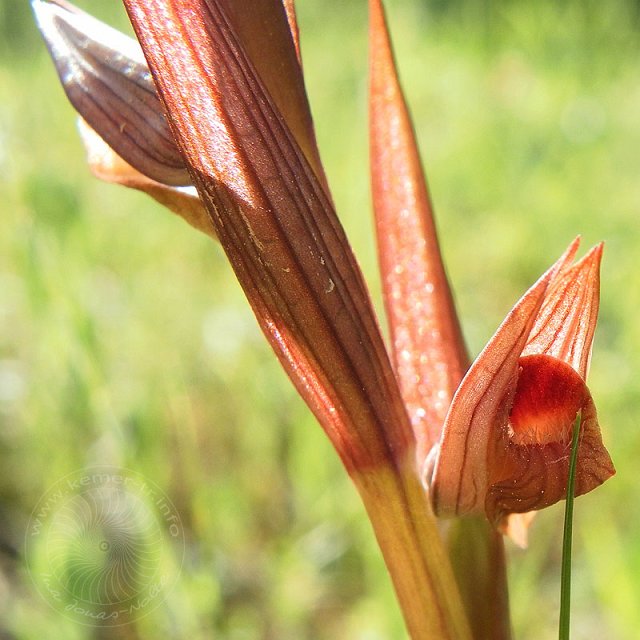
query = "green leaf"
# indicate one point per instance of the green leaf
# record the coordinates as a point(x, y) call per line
point(565, 575)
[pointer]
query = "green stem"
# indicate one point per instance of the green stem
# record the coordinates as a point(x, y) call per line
point(565, 575)
point(476, 551)
point(413, 552)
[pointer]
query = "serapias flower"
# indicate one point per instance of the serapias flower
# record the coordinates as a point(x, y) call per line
point(507, 435)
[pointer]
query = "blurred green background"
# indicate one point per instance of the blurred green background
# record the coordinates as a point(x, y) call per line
point(124, 339)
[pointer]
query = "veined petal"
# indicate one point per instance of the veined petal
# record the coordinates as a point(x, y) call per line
point(482, 401)
point(427, 347)
point(106, 79)
point(567, 320)
point(506, 440)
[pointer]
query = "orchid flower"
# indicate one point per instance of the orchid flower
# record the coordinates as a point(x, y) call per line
point(513, 413)
point(209, 115)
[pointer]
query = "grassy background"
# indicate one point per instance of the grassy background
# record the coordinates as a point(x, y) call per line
point(125, 340)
